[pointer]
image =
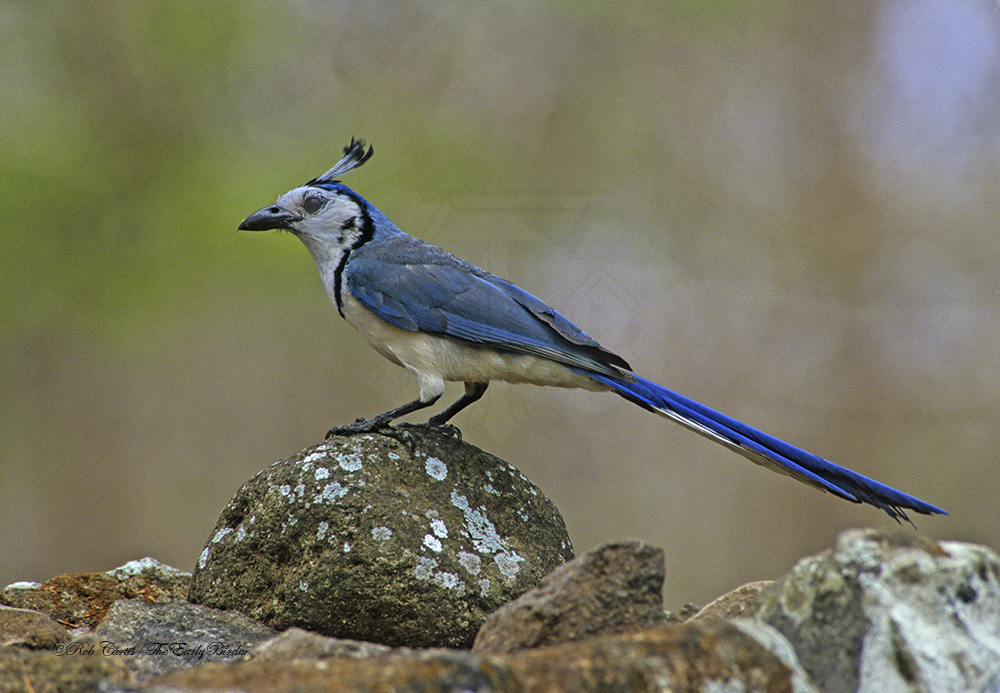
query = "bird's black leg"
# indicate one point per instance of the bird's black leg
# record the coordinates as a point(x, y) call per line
point(473, 392)
point(382, 421)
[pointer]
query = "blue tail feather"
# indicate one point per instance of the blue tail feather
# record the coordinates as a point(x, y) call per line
point(767, 450)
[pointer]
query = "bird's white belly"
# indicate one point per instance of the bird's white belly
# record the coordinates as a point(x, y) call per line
point(435, 359)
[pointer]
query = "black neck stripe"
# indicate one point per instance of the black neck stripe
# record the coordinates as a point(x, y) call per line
point(367, 228)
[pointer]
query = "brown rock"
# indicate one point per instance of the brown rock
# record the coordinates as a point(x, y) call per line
point(27, 628)
point(296, 643)
point(41, 671)
point(612, 589)
point(699, 656)
point(734, 604)
point(83, 600)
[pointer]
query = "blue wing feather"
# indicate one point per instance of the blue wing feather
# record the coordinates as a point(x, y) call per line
point(477, 308)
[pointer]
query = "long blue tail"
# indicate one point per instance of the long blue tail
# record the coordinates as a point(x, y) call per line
point(767, 450)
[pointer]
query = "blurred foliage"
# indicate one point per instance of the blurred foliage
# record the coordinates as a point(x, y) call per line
point(113, 164)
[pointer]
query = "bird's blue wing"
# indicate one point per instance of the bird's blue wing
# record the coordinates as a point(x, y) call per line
point(474, 307)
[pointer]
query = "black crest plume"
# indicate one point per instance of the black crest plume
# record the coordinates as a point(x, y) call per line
point(354, 156)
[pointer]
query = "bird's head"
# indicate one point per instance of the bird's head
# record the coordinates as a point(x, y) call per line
point(325, 214)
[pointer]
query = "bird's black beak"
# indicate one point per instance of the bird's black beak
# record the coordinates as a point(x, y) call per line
point(273, 217)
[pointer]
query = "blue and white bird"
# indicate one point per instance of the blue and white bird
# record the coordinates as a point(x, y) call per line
point(444, 319)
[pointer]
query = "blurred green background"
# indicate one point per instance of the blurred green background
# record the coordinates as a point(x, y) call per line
point(788, 211)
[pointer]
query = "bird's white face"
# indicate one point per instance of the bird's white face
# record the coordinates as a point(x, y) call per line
point(332, 218)
point(328, 221)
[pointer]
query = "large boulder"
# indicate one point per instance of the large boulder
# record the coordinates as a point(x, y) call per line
point(407, 540)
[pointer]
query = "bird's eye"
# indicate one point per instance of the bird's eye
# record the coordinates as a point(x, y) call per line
point(313, 204)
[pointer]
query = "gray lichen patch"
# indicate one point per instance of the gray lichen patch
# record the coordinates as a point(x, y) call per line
point(436, 469)
point(363, 538)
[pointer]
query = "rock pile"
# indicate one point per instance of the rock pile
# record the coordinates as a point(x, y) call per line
point(423, 564)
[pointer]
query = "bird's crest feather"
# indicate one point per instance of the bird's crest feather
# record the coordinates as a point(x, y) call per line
point(354, 155)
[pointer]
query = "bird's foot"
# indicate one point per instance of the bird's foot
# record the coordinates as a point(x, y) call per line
point(445, 428)
point(400, 432)
point(361, 425)
point(375, 425)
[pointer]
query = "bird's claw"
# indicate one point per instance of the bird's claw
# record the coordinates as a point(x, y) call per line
point(375, 425)
point(449, 430)
point(445, 428)
point(361, 425)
